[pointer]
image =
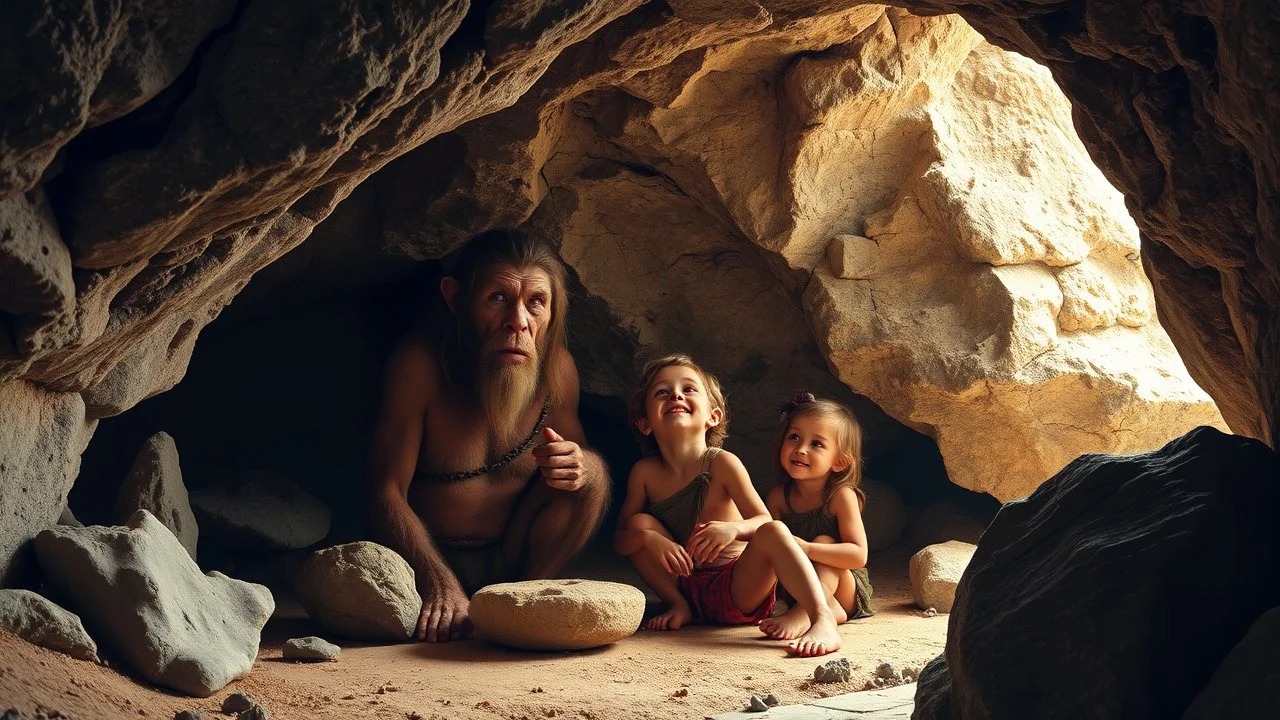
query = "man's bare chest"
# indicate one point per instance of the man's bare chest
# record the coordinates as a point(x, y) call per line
point(460, 443)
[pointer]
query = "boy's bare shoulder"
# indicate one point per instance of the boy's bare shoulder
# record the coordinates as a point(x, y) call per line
point(646, 467)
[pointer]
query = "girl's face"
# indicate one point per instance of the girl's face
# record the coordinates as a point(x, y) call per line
point(677, 401)
point(809, 450)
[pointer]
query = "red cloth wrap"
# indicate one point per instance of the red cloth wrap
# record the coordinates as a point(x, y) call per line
point(710, 598)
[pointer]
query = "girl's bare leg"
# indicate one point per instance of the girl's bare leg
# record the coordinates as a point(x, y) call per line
point(664, 584)
point(772, 556)
point(794, 622)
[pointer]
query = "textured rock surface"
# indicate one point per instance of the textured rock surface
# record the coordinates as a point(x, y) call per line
point(556, 614)
point(310, 649)
point(41, 437)
point(1128, 556)
point(884, 516)
point(144, 598)
point(39, 621)
point(260, 512)
point(155, 484)
point(1246, 683)
point(360, 590)
point(935, 571)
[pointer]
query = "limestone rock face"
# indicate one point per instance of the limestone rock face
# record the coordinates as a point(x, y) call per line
point(935, 571)
point(1121, 551)
point(360, 590)
point(145, 598)
point(556, 614)
point(261, 512)
point(155, 485)
point(39, 621)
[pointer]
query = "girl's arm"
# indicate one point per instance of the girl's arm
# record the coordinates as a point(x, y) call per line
point(851, 550)
point(629, 542)
point(710, 538)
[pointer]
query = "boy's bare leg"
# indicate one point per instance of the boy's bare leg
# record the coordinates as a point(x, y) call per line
point(664, 584)
point(772, 556)
point(548, 528)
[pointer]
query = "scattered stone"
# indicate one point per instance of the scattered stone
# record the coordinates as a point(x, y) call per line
point(257, 712)
point(261, 512)
point(869, 685)
point(188, 715)
point(310, 649)
point(13, 714)
point(833, 671)
point(771, 700)
point(237, 702)
point(155, 484)
point(756, 704)
point(936, 571)
point(888, 672)
point(150, 603)
point(360, 590)
point(682, 692)
point(910, 674)
point(877, 681)
point(39, 621)
point(556, 614)
point(931, 612)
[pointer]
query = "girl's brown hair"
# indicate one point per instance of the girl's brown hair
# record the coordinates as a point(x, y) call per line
point(848, 443)
point(635, 404)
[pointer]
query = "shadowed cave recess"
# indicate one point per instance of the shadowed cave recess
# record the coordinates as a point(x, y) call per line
point(1007, 238)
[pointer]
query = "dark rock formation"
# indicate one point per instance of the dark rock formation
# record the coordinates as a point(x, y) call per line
point(1116, 588)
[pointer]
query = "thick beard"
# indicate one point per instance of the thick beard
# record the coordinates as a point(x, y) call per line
point(505, 392)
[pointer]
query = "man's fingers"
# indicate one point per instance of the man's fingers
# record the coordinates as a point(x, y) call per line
point(443, 622)
point(561, 447)
point(550, 435)
point(421, 631)
point(559, 461)
point(561, 473)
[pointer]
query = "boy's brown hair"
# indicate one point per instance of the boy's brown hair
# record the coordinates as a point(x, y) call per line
point(636, 410)
point(848, 443)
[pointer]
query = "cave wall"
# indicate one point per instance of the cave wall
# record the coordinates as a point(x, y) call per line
point(149, 168)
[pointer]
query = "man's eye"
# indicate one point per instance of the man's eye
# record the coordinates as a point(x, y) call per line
point(498, 297)
point(537, 302)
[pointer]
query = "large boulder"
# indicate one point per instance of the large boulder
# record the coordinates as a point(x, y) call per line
point(936, 571)
point(360, 590)
point(155, 484)
point(1247, 683)
point(260, 512)
point(146, 599)
point(556, 614)
point(884, 516)
point(39, 621)
point(1140, 573)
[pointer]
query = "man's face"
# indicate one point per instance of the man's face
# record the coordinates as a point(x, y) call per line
point(510, 313)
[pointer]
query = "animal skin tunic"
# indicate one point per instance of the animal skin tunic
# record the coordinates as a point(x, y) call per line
point(679, 513)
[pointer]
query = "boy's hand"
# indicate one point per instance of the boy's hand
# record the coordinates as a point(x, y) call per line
point(804, 545)
point(674, 558)
point(709, 539)
point(560, 461)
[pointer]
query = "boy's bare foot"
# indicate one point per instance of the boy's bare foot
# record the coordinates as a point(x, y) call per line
point(821, 639)
point(673, 619)
point(787, 626)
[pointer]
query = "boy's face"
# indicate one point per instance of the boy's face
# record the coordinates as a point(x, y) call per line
point(676, 402)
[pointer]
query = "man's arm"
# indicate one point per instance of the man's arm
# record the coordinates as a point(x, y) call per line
point(397, 443)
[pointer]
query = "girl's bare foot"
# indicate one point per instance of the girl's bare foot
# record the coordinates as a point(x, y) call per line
point(839, 613)
point(674, 618)
point(787, 626)
point(821, 639)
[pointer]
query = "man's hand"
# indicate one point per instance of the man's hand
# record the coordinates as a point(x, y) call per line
point(709, 539)
point(444, 615)
point(671, 554)
point(560, 461)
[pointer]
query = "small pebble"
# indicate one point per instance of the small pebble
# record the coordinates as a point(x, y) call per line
point(833, 671)
point(756, 704)
point(257, 712)
point(888, 672)
point(237, 702)
point(13, 714)
point(310, 649)
point(771, 700)
point(931, 612)
point(682, 692)
point(188, 715)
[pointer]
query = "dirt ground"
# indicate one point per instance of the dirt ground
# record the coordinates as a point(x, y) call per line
point(690, 673)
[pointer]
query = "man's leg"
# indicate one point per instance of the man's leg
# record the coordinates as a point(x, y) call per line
point(548, 527)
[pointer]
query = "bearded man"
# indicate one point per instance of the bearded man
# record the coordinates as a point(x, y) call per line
point(480, 472)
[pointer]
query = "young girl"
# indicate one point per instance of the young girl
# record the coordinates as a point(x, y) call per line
point(818, 450)
point(695, 528)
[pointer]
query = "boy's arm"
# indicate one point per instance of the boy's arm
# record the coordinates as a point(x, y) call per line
point(629, 542)
point(850, 549)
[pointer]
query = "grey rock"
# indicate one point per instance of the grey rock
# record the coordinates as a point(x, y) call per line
point(310, 649)
point(257, 712)
point(39, 621)
point(1111, 545)
point(188, 715)
point(888, 672)
point(771, 700)
point(833, 671)
point(155, 484)
point(145, 598)
point(755, 704)
point(933, 691)
point(360, 590)
point(238, 702)
point(69, 518)
point(260, 512)
point(13, 714)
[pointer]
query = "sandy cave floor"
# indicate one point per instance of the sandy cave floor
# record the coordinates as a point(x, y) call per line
point(639, 677)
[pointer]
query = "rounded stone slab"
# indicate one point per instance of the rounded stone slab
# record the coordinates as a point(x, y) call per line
point(310, 649)
point(360, 590)
point(556, 614)
point(935, 573)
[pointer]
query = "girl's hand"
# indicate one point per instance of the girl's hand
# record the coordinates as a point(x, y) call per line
point(672, 555)
point(709, 539)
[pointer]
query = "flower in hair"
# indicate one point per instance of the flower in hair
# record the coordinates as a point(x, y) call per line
point(797, 400)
